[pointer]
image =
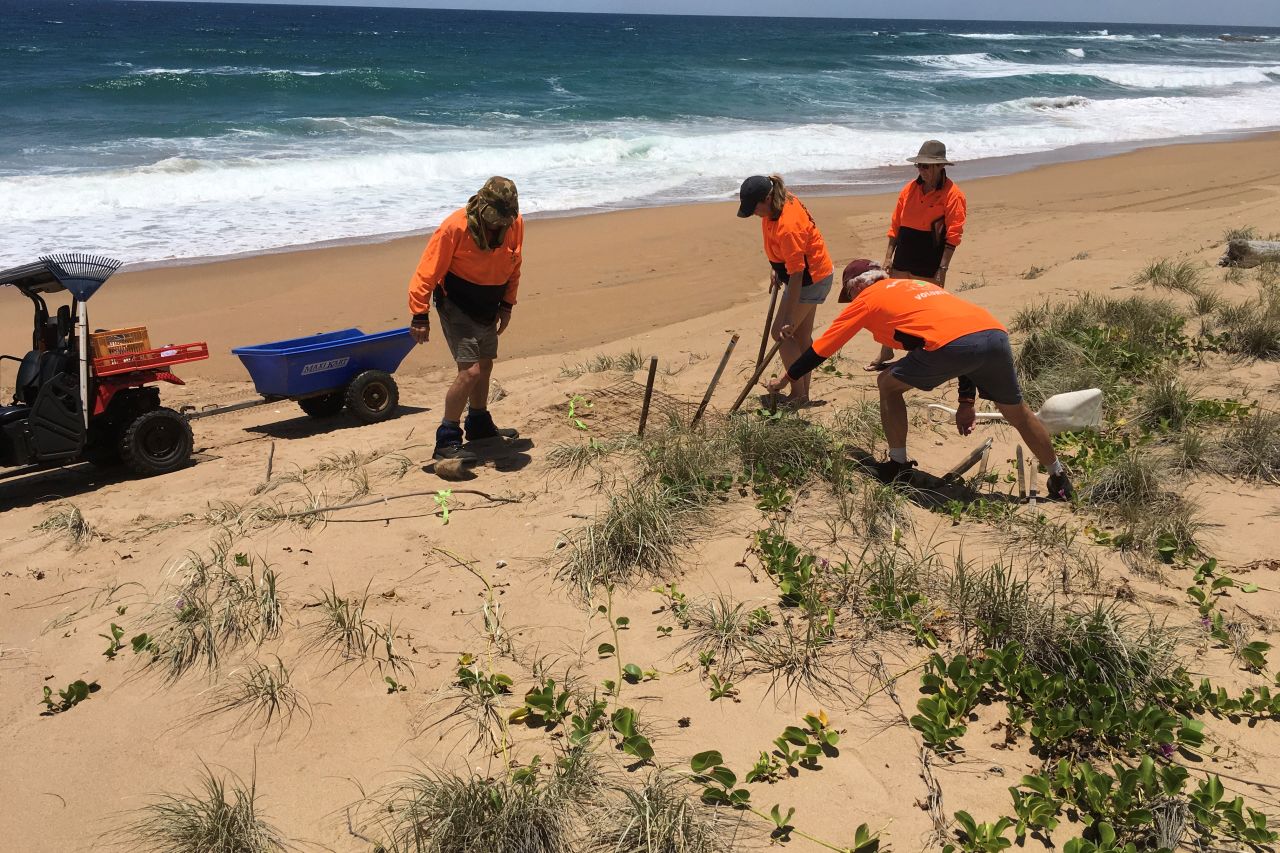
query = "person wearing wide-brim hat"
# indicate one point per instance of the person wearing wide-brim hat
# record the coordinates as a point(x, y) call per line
point(927, 223)
point(471, 272)
point(800, 263)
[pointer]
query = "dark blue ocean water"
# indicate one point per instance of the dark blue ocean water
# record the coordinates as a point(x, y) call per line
point(163, 130)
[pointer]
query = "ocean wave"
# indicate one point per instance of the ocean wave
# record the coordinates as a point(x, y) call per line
point(1077, 52)
point(987, 66)
point(1103, 35)
point(245, 192)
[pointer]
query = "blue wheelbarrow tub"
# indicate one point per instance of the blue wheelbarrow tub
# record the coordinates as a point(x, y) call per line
point(304, 367)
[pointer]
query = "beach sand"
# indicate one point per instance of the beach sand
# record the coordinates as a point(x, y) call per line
point(672, 282)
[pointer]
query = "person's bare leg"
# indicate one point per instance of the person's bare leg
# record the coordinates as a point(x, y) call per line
point(478, 396)
point(455, 399)
point(893, 409)
point(1021, 418)
point(802, 338)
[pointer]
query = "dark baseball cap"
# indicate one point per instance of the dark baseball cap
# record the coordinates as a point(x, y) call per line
point(856, 268)
point(755, 189)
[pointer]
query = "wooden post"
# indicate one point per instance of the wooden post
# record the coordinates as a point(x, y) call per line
point(968, 462)
point(1022, 477)
point(768, 324)
point(755, 377)
point(648, 395)
point(711, 389)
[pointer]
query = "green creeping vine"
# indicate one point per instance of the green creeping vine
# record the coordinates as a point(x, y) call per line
point(1077, 720)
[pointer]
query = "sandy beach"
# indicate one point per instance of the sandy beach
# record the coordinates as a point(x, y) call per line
point(672, 282)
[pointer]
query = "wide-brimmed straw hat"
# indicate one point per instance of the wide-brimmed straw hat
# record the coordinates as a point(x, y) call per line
point(932, 153)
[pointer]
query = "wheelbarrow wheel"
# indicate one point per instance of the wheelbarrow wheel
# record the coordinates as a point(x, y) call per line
point(324, 406)
point(373, 396)
point(156, 442)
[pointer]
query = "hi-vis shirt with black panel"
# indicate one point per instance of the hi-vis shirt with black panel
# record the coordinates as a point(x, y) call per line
point(924, 224)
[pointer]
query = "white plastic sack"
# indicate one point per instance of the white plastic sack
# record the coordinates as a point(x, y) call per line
point(1072, 411)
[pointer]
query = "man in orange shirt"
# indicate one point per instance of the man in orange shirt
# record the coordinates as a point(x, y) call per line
point(471, 271)
point(945, 338)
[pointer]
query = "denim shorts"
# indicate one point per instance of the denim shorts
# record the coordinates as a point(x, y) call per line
point(816, 293)
point(984, 357)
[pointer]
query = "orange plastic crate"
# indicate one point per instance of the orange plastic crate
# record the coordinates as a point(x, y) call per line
point(152, 359)
point(119, 341)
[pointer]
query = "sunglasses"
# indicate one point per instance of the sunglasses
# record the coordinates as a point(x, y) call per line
point(923, 166)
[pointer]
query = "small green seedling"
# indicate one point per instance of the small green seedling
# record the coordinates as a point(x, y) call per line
point(633, 743)
point(142, 643)
point(442, 500)
point(765, 769)
point(722, 689)
point(577, 403)
point(665, 630)
point(113, 642)
point(543, 705)
point(394, 686)
point(76, 692)
point(781, 825)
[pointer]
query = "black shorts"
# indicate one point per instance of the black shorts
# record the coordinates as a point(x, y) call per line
point(984, 357)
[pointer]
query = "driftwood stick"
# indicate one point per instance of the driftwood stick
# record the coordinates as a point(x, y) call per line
point(768, 323)
point(755, 377)
point(1022, 476)
point(271, 458)
point(715, 379)
point(969, 461)
point(648, 395)
point(321, 510)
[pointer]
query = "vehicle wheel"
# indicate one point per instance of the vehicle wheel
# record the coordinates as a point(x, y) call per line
point(156, 442)
point(373, 396)
point(324, 406)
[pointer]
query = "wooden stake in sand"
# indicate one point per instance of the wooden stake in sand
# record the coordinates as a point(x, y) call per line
point(1022, 477)
point(755, 377)
point(768, 324)
point(711, 389)
point(966, 463)
point(648, 395)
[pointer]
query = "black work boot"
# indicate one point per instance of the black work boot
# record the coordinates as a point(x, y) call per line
point(480, 425)
point(449, 444)
point(1059, 487)
point(890, 471)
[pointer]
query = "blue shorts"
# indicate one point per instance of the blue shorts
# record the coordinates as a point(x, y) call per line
point(984, 357)
point(816, 293)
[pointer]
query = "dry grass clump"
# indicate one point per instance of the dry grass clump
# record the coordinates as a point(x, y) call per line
point(659, 817)
point(260, 696)
point(788, 448)
point(1166, 402)
point(1094, 342)
point(67, 522)
point(205, 821)
point(1128, 492)
point(1251, 447)
point(1182, 276)
point(431, 812)
point(627, 362)
point(1251, 329)
point(724, 629)
point(340, 630)
point(219, 603)
point(638, 535)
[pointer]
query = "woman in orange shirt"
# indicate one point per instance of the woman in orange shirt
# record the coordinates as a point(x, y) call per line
point(927, 224)
point(798, 255)
point(471, 271)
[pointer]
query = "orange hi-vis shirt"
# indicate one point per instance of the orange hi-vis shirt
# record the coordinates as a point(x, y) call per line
point(452, 251)
point(944, 208)
point(909, 309)
point(793, 242)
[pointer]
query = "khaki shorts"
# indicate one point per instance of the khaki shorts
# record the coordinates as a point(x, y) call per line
point(469, 340)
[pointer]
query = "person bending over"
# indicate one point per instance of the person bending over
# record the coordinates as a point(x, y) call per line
point(471, 271)
point(927, 224)
point(945, 338)
point(800, 263)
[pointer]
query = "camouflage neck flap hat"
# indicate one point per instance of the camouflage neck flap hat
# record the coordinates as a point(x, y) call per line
point(494, 208)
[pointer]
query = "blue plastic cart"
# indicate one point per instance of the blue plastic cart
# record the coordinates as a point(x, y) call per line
point(327, 372)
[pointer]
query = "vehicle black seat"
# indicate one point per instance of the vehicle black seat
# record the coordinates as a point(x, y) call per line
point(28, 381)
point(13, 413)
